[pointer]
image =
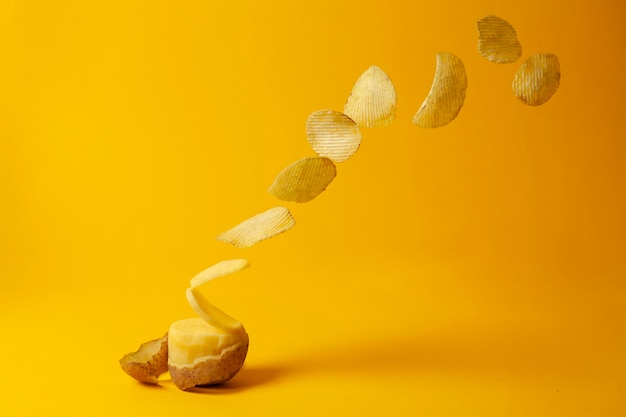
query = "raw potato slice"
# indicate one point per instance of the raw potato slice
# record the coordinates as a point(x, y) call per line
point(259, 227)
point(333, 135)
point(497, 40)
point(372, 102)
point(447, 93)
point(537, 79)
point(209, 313)
point(148, 362)
point(219, 270)
point(303, 180)
point(201, 354)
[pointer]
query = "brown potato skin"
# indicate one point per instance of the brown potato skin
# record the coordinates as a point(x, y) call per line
point(211, 371)
point(147, 372)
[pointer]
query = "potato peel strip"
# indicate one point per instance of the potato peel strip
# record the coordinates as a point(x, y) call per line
point(219, 270)
point(209, 313)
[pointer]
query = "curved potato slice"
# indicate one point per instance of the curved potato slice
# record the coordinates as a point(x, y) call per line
point(259, 227)
point(447, 93)
point(303, 180)
point(497, 40)
point(333, 135)
point(372, 102)
point(537, 79)
point(209, 313)
point(219, 270)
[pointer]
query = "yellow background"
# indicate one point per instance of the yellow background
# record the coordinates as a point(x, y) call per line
point(473, 270)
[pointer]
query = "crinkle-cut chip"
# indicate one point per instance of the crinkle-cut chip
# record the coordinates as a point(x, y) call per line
point(537, 79)
point(259, 227)
point(148, 362)
point(497, 40)
point(304, 179)
point(372, 102)
point(447, 93)
point(333, 135)
point(219, 270)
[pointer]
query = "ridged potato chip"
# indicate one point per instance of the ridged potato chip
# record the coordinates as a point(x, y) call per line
point(303, 180)
point(497, 40)
point(447, 93)
point(259, 227)
point(333, 135)
point(372, 102)
point(537, 79)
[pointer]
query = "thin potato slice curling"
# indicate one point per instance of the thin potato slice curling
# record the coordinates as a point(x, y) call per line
point(372, 102)
point(537, 79)
point(212, 348)
point(259, 227)
point(333, 135)
point(209, 313)
point(303, 180)
point(497, 40)
point(219, 270)
point(447, 93)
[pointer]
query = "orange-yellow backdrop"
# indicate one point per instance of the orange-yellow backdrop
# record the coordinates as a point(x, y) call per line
point(477, 269)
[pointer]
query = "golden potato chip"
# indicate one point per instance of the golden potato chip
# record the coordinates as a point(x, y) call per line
point(303, 180)
point(497, 40)
point(372, 102)
point(537, 79)
point(219, 270)
point(333, 135)
point(259, 227)
point(447, 93)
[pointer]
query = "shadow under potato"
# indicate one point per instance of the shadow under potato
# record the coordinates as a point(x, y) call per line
point(248, 377)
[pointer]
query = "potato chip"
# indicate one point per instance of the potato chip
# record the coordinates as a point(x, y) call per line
point(259, 227)
point(303, 180)
point(447, 93)
point(497, 40)
point(219, 270)
point(333, 135)
point(372, 102)
point(537, 79)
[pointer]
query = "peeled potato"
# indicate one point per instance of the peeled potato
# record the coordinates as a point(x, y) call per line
point(210, 349)
point(497, 40)
point(148, 362)
point(372, 102)
point(260, 227)
point(447, 93)
point(333, 135)
point(537, 79)
point(303, 180)
point(202, 354)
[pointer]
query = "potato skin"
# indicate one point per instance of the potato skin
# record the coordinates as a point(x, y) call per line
point(210, 371)
point(147, 372)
